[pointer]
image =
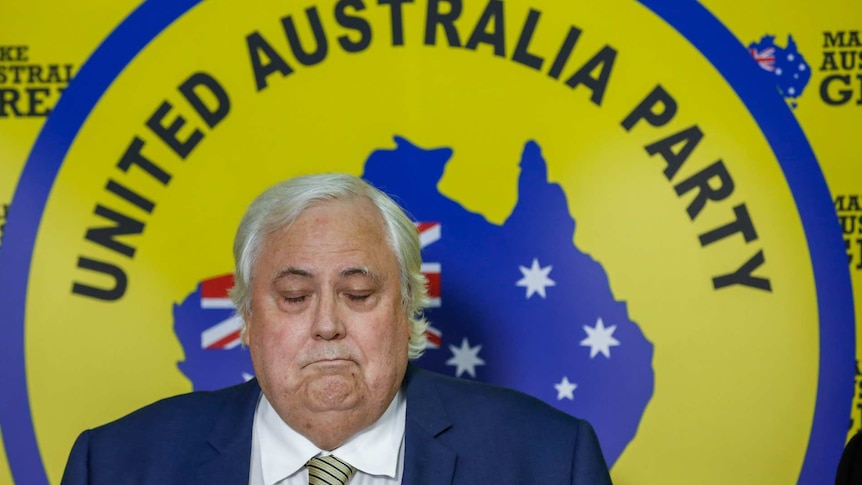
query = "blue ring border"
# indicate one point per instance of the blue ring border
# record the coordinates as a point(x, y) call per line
point(689, 18)
point(836, 376)
point(28, 206)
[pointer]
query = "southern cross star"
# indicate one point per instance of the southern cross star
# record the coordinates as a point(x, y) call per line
point(565, 389)
point(535, 279)
point(465, 358)
point(600, 339)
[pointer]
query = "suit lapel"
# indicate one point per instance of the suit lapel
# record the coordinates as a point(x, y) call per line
point(228, 458)
point(427, 461)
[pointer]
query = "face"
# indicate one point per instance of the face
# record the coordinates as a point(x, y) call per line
point(327, 332)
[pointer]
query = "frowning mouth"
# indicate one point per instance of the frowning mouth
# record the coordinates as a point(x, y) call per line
point(330, 362)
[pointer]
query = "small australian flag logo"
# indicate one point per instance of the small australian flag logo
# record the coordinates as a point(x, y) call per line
point(788, 66)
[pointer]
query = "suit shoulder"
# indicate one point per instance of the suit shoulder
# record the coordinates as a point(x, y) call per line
point(481, 423)
point(165, 441)
point(486, 401)
point(185, 412)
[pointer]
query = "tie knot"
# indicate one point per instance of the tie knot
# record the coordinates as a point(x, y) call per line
point(328, 470)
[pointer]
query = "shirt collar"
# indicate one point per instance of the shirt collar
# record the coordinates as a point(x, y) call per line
point(374, 451)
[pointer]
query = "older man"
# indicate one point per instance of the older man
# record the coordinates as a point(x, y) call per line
point(328, 281)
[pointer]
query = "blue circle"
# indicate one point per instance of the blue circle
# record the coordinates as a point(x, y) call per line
point(689, 18)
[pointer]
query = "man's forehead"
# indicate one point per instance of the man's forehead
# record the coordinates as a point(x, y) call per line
point(332, 239)
point(346, 219)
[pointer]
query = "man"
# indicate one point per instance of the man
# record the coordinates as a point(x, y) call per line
point(329, 285)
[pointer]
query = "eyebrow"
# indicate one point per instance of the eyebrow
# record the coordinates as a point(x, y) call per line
point(359, 270)
point(291, 271)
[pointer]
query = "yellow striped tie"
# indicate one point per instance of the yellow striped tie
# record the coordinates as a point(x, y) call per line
point(328, 470)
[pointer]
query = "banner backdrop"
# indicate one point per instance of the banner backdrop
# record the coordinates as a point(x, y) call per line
point(641, 213)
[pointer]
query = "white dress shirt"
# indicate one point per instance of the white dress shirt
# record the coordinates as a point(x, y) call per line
point(279, 453)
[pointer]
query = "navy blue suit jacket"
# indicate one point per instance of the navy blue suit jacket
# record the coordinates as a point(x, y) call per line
point(457, 432)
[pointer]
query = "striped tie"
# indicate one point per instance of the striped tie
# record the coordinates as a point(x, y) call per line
point(328, 470)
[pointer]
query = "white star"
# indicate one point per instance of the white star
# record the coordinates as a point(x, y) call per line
point(465, 359)
point(600, 339)
point(535, 279)
point(565, 389)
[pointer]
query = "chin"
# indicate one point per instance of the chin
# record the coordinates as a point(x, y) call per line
point(333, 391)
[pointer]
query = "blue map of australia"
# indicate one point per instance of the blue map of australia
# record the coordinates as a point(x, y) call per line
point(517, 304)
point(790, 70)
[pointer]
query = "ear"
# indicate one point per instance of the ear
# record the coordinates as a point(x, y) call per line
point(246, 328)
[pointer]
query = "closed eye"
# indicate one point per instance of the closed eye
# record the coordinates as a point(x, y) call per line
point(295, 299)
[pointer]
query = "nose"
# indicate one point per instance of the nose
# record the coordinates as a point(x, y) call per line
point(327, 324)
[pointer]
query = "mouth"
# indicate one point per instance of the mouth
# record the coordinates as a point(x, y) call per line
point(330, 362)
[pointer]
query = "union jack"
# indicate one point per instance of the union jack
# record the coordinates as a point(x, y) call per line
point(429, 233)
point(214, 295)
point(765, 58)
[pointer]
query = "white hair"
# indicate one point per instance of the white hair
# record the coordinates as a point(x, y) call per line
point(280, 205)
